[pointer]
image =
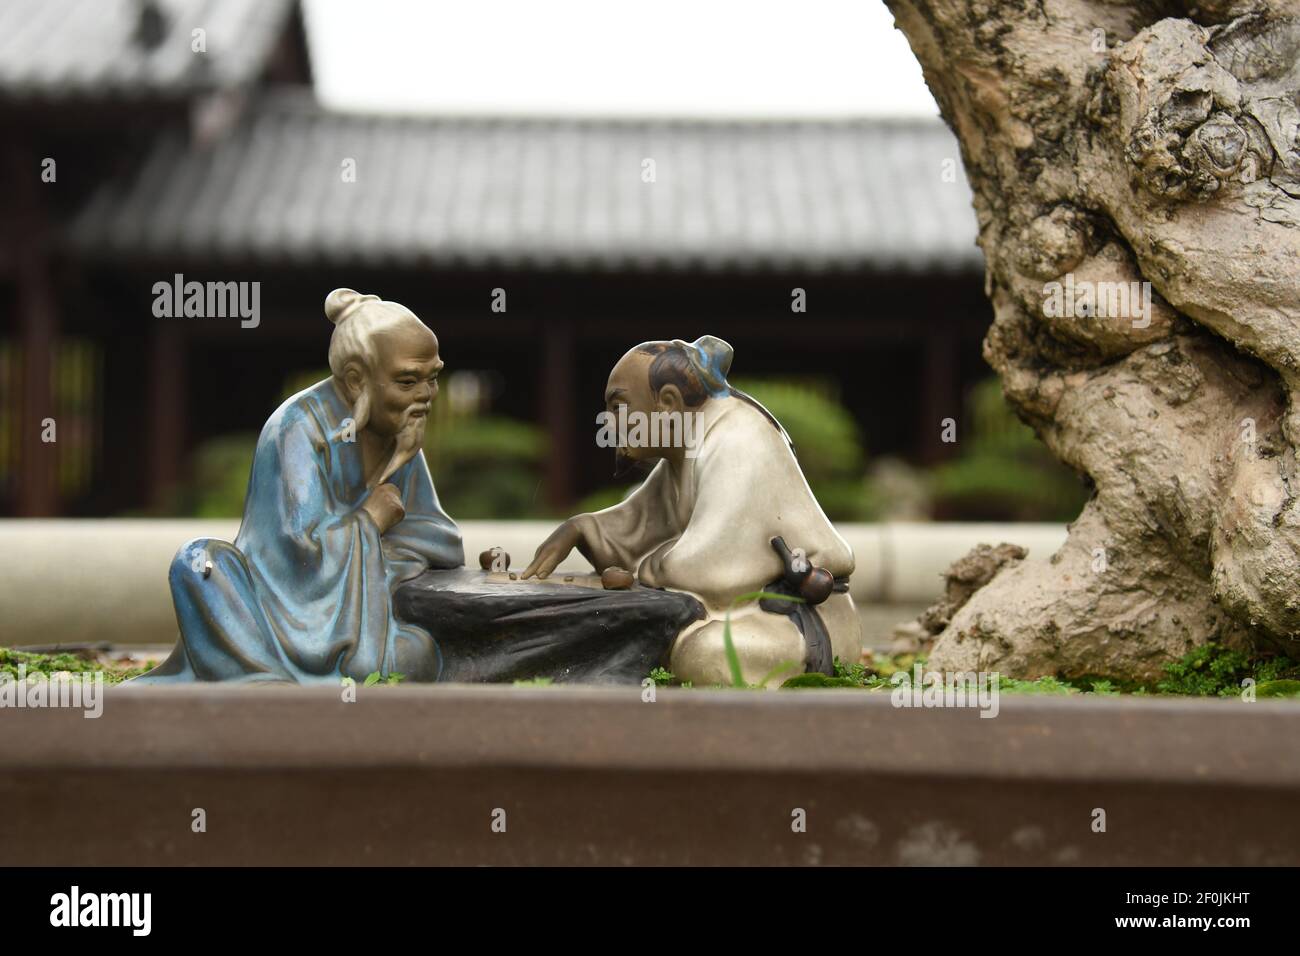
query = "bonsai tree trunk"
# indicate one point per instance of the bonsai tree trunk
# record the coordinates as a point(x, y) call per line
point(1114, 142)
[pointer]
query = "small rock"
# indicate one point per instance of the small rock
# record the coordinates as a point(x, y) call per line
point(966, 576)
point(616, 579)
point(909, 637)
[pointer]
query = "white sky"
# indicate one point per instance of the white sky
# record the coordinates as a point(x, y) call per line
point(688, 58)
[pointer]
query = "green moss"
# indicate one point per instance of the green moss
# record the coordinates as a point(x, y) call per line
point(870, 677)
point(1278, 688)
point(31, 662)
point(1215, 671)
point(1276, 668)
point(1104, 686)
point(1042, 685)
point(819, 680)
point(1209, 670)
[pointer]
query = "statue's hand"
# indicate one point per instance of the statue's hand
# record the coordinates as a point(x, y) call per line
point(554, 550)
point(384, 505)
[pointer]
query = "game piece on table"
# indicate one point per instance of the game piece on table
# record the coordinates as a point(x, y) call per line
point(616, 579)
point(494, 559)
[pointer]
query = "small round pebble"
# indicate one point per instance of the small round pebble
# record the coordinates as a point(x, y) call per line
point(616, 579)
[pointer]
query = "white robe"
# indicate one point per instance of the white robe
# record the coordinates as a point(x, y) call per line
point(706, 528)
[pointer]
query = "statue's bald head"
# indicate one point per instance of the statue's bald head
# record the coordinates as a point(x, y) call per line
point(674, 376)
point(697, 370)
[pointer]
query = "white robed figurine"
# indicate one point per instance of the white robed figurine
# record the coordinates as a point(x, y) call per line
point(727, 484)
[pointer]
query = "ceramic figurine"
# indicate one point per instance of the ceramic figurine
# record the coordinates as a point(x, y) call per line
point(725, 512)
point(340, 510)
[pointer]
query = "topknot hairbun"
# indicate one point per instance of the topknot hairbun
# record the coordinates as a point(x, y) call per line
point(711, 358)
point(341, 303)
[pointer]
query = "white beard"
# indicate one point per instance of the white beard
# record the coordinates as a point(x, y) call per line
point(409, 440)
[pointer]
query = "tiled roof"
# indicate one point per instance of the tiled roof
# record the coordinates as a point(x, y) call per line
point(101, 49)
point(547, 193)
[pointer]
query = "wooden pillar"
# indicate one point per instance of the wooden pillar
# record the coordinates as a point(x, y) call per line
point(38, 492)
point(941, 397)
point(557, 404)
point(167, 376)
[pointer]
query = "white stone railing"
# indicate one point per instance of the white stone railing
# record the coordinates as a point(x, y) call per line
point(71, 581)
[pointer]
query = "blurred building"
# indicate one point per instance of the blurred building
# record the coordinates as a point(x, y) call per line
point(538, 250)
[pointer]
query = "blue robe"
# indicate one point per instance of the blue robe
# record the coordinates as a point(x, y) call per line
point(305, 592)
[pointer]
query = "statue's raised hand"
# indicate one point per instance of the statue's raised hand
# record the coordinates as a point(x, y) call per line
point(384, 505)
point(554, 550)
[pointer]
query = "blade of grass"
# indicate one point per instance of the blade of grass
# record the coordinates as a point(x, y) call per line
point(733, 659)
point(782, 666)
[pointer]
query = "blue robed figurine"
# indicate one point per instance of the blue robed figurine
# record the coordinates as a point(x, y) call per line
point(340, 510)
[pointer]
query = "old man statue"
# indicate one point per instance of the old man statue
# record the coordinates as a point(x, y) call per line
point(724, 513)
point(340, 510)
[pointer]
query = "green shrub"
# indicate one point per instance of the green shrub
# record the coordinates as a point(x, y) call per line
point(1004, 471)
point(483, 466)
point(486, 466)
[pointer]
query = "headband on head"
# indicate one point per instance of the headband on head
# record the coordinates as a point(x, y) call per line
point(711, 358)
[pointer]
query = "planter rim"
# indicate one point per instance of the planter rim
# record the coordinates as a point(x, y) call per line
point(1183, 740)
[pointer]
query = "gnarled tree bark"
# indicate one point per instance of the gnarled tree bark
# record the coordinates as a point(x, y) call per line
point(1113, 141)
